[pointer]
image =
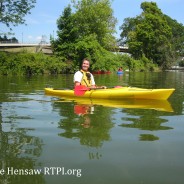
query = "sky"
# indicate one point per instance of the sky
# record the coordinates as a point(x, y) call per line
point(41, 23)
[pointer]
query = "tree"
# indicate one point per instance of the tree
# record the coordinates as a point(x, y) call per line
point(12, 12)
point(127, 27)
point(88, 32)
point(149, 34)
point(177, 38)
point(96, 17)
point(101, 59)
point(11, 40)
point(67, 34)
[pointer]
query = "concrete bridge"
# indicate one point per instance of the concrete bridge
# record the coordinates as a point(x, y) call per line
point(44, 47)
point(123, 49)
point(39, 47)
point(12, 45)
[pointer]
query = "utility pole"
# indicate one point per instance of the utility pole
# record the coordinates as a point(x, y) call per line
point(22, 37)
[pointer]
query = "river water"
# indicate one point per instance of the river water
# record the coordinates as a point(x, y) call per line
point(49, 140)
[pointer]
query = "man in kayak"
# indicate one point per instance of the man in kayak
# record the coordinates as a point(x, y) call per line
point(84, 77)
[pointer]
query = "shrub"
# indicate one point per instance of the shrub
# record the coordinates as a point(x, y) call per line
point(30, 64)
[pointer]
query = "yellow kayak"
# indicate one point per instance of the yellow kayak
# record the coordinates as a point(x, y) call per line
point(115, 93)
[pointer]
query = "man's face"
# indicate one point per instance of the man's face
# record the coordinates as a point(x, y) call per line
point(85, 65)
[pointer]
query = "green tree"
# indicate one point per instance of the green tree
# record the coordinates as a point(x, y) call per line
point(12, 12)
point(127, 27)
point(88, 32)
point(101, 59)
point(177, 39)
point(96, 17)
point(5, 39)
point(67, 34)
point(149, 34)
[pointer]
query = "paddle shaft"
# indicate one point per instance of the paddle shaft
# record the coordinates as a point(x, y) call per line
point(81, 89)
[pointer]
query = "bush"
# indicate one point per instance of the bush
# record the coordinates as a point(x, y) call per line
point(38, 63)
point(30, 64)
point(181, 63)
point(142, 64)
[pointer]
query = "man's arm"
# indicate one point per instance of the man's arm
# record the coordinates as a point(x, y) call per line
point(77, 83)
point(77, 78)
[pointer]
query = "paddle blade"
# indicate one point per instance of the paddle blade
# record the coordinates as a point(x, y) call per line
point(117, 86)
point(80, 90)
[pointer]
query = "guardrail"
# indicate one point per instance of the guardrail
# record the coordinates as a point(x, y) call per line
point(23, 44)
point(43, 44)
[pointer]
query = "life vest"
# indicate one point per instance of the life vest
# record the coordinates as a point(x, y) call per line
point(86, 78)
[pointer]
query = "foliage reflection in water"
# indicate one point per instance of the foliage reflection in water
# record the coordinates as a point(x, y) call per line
point(18, 148)
point(110, 143)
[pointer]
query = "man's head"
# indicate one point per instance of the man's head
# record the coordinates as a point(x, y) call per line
point(85, 64)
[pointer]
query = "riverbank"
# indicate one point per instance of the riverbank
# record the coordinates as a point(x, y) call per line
point(30, 64)
point(176, 68)
point(25, 63)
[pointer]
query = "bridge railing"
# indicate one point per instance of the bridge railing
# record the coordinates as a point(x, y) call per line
point(23, 44)
point(12, 41)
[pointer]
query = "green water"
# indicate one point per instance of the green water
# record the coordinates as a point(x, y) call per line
point(45, 139)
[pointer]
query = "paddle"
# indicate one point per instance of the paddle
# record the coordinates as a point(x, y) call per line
point(81, 89)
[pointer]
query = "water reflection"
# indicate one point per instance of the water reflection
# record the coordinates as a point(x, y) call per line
point(149, 120)
point(93, 156)
point(83, 110)
point(159, 105)
point(148, 137)
point(90, 122)
point(21, 134)
point(18, 150)
point(120, 76)
point(79, 122)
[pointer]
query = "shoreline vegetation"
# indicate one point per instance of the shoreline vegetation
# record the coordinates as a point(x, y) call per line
point(86, 30)
point(27, 63)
